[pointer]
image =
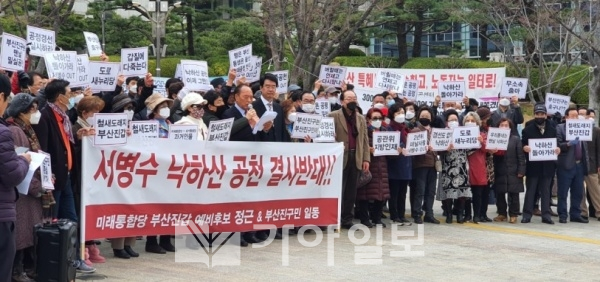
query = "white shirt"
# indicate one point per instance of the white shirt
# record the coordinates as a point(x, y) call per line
point(267, 103)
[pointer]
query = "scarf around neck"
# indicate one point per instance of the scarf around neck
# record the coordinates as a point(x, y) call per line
point(66, 121)
point(34, 143)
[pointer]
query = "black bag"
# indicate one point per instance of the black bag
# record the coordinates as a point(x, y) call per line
point(363, 179)
point(56, 251)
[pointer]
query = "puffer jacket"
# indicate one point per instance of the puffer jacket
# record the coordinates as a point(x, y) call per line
point(379, 188)
point(508, 165)
point(12, 172)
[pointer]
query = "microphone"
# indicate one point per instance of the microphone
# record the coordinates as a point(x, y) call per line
point(249, 106)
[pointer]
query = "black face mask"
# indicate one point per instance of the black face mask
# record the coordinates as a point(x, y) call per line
point(489, 122)
point(540, 121)
point(351, 106)
point(220, 111)
point(424, 121)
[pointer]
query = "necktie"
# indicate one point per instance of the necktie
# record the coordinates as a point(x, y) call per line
point(270, 106)
point(578, 152)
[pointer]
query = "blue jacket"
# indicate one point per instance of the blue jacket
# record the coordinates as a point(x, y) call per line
point(12, 172)
point(399, 167)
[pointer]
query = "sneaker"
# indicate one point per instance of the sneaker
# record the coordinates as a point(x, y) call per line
point(81, 267)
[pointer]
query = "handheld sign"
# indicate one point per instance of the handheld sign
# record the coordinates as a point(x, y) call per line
point(83, 71)
point(322, 107)
point(556, 103)
point(282, 80)
point(62, 65)
point(253, 72)
point(326, 131)
point(416, 143)
point(178, 72)
point(40, 41)
point(390, 80)
point(490, 102)
point(134, 61)
point(111, 129)
point(441, 138)
point(195, 75)
point(332, 76)
point(411, 89)
point(426, 98)
point(46, 172)
point(581, 128)
point(241, 60)
point(183, 132)
point(386, 143)
point(306, 124)
point(93, 44)
point(141, 130)
point(103, 76)
point(514, 87)
point(13, 52)
point(451, 91)
point(542, 149)
point(159, 83)
point(220, 130)
point(466, 137)
point(497, 138)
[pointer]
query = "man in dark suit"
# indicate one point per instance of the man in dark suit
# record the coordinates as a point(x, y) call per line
point(266, 102)
point(245, 118)
point(572, 168)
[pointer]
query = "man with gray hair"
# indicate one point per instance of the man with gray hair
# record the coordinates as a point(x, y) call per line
point(508, 109)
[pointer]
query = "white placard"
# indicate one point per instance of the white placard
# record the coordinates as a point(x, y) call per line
point(465, 137)
point(386, 143)
point(241, 60)
point(490, 102)
point(306, 124)
point(134, 61)
point(410, 90)
point(111, 129)
point(512, 86)
point(581, 128)
point(195, 75)
point(253, 72)
point(83, 71)
point(556, 103)
point(390, 80)
point(542, 149)
point(183, 132)
point(332, 76)
point(326, 131)
point(322, 107)
point(37, 159)
point(426, 98)
point(416, 143)
point(93, 44)
point(62, 65)
point(220, 130)
point(441, 138)
point(40, 40)
point(13, 52)
point(265, 118)
point(46, 172)
point(159, 83)
point(178, 72)
point(147, 129)
point(497, 138)
point(103, 76)
point(451, 91)
point(283, 78)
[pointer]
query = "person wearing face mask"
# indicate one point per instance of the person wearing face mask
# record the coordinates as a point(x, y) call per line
point(307, 105)
point(399, 167)
point(509, 109)
point(592, 185)
point(290, 117)
point(193, 106)
point(173, 93)
point(332, 95)
point(23, 112)
point(215, 107)
point(489, 196)
point(409, 110)
point(123, 104)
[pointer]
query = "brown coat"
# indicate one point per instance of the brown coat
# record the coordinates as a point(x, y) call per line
point(362, 140)
point(427, 160)
point(379, 188)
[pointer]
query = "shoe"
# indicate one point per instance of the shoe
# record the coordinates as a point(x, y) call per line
point(251, 239)
point(22, 277)
point(121, 254)
point(476, 219)
point(580, 220)
point(243, 242)
point(418, 220)
point(585, 217)
point(368, 224)
point(155, 249)
point(599, 219)
point(380, 223)
point(165, 243)
point(86, 258)
point(278, 235)
point(131, 252)
point(537, 212)
point(553, 213)
point(562, 220)
point(547, 221)
point(81, 267)
point(431, 219)
point(449, 219)
point(500, 218)
point(97, 242)
point(383, 215)
point(513, 219)
point(525, 220)
point(468, 218)
point(460, 218)
point(486, 219)
point(95, 256)
point(347, 225)
point(262, 236)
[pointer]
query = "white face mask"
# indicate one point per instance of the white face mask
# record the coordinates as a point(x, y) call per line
point(35, 117)
point(400, 118)
point(378, 106)
point(292, 117)
point(376, 123)
point(308, 108)
point(386, 120)
point(133, 90)
point(90, 120)
point(78, 98)
point(581, 117)
point(453, 124)
point(591, 118)
point(164, 112)
point(129, 114)
point(470, 124)
point(410, 115)
point(333, 100)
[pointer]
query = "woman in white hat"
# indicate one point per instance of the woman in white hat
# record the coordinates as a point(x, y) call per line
point(193, 109)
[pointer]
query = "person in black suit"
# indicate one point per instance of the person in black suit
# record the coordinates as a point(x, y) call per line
point(245, 118)
point(266, 102)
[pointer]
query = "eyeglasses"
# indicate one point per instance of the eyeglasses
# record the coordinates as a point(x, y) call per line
point(197, 106)
point(377, 119)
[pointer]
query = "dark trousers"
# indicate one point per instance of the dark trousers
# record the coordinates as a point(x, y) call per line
point(570, 180)
point(513, 204)
point(397, 199)
point(411, 194)
point(534, 185)
point(480, 199)
point(349, 179)
point(425, 179)
point(7, 250)
point(65, 202)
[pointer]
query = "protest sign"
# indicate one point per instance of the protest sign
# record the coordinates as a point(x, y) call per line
point(241, 60)
point(332, 76)
point(46, 172)
point(103, 76)
point(579, 128)
point(93, 44)
point(253, 72)
point(62, 65)
point(441, 138)
point(451, 91)
point(13, 52)
point(390, 80)
point(83, 71)
point(410, 90)
point(40, 41)
point(416, 143)
point(490, 102)
point(514, 87)
point(220, 130)
point(306, 124)
point(466, 137)
point(183, 132)
point(142, 130)
point(195, 75)
point(322, 107)
point(178, 72)
point(282, 80)
point(556, 103)
point(37, 159)
point(159, 83)
point(134, 61)
point(542, 149)
point(426, 98)
point(111, 129)
point(386, 143)
point(326, 131)
point(497, 138)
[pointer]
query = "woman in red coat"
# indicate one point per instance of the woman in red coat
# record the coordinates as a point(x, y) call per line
point(477, 168)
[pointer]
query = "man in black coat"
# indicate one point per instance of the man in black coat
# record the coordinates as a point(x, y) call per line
point(266, 102)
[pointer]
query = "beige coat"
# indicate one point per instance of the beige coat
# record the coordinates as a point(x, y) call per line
point(362, 140)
